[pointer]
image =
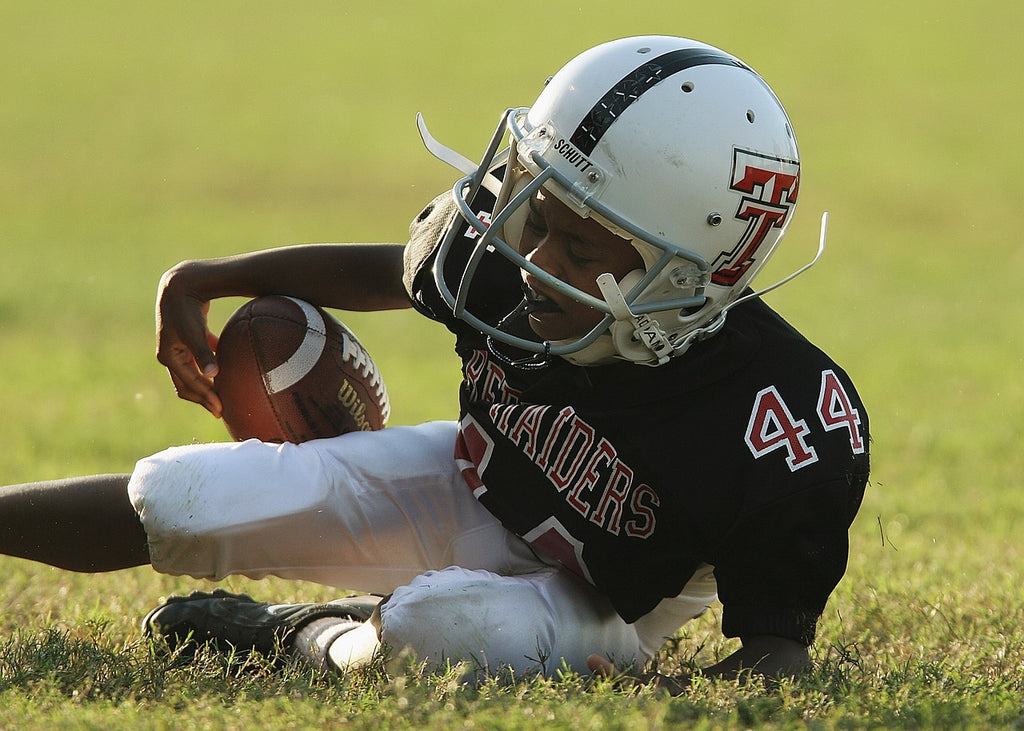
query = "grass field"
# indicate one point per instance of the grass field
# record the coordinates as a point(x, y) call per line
point(136, 135)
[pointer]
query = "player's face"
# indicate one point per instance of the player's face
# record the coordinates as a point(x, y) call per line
point(576, 250)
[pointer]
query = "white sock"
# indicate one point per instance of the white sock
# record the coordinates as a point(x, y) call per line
point(313, 641)
point(354, 648)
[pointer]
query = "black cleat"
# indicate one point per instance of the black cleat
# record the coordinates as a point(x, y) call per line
point(238, 623)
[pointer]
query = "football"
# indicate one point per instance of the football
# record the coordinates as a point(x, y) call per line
point(290, 372)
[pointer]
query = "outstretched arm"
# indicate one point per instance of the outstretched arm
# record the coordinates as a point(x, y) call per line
point(360, 277)
point(766, 655)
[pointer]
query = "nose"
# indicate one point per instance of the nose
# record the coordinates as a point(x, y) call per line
point(543, 256)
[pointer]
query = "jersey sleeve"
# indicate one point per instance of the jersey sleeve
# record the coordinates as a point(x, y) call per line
point(495, 287)
point(780, 563)
point(425, 234)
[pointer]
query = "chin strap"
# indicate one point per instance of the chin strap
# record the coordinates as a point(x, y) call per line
point(516, 319)
point(646, 330)
point(650, 333)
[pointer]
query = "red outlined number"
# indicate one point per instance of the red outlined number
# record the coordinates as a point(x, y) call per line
point(836, 411)
point(772, 427)
point(552, 539)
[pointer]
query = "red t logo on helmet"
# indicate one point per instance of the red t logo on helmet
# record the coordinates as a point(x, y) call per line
point(769, 186)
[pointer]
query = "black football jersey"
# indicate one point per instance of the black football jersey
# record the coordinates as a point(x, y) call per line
point(749, 453)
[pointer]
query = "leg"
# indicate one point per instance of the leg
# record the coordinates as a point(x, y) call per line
point(537, 622)
point(541, 621)
point(376, 512)
point(367, 511)
point(80, 524)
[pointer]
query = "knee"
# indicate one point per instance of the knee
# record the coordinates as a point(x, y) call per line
point(487, 622)
point(206, 488)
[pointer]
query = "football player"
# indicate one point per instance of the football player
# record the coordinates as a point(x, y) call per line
point(639, 434)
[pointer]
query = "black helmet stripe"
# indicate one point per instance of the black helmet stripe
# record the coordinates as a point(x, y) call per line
point(635, 83)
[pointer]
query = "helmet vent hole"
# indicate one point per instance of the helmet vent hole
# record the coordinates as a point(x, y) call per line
point(750, 116)
point(687, 87)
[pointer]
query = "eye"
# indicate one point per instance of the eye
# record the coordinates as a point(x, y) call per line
point(578, 258)
point(535, 224)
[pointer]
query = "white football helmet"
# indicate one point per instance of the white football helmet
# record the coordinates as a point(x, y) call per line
point(670, 143)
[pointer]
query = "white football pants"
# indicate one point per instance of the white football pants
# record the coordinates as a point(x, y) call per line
point(388, 512)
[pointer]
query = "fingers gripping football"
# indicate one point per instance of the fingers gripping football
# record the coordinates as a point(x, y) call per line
point(185, 345)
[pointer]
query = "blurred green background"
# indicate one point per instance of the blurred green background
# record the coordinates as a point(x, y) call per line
point(135, 135)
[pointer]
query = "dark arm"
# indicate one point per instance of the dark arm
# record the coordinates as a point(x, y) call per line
point(361, 277)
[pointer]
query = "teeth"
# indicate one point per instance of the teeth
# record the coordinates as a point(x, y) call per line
point(535, 301)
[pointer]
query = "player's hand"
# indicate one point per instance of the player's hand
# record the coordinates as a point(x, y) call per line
point(185, 344)
point(603, 668)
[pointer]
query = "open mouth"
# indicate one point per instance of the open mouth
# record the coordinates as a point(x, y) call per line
point(537, 302)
